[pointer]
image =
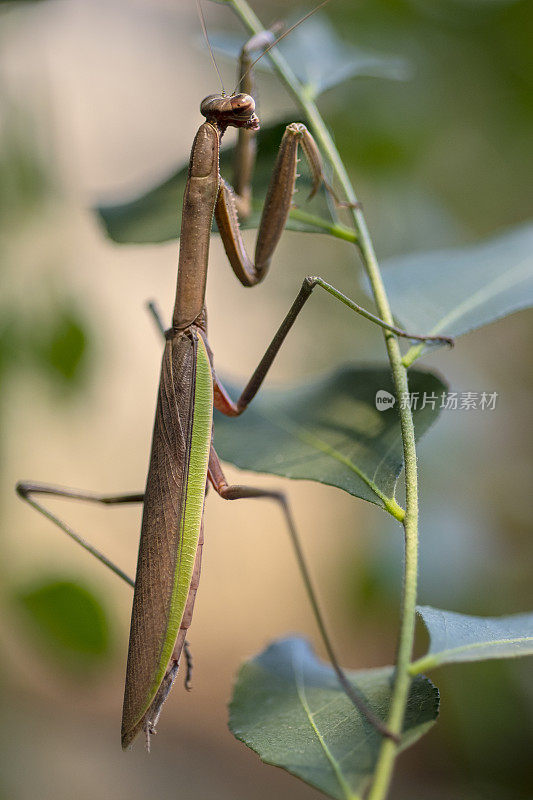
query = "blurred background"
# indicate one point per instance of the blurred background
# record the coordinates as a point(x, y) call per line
point(99, 99)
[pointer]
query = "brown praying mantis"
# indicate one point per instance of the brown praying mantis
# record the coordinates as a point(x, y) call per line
point(183, 460)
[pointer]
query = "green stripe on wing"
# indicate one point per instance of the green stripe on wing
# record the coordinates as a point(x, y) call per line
point(192, 513)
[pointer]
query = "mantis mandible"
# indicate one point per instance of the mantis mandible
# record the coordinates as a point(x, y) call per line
point(183, 460)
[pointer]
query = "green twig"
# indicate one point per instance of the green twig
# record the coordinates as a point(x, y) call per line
point(334, 229)
point(389, 748)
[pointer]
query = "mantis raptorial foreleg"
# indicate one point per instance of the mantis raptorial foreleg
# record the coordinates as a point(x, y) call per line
point(278, 201)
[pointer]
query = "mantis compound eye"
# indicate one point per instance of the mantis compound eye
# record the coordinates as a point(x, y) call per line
point(242, 105)
point(243, 111)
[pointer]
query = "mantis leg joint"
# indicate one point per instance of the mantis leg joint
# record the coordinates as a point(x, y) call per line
point(23, 489)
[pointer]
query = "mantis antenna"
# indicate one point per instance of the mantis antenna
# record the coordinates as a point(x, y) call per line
point(204, 29)
point(274, 43)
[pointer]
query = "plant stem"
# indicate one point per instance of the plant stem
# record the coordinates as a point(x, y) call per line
point(389, 748)
point(337, 230)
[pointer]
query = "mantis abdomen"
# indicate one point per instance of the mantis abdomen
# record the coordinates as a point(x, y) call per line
point(172, 521)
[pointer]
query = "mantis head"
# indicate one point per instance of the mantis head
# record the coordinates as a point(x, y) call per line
point(237, 110)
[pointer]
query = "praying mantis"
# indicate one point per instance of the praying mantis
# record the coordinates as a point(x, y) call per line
point(183, 460)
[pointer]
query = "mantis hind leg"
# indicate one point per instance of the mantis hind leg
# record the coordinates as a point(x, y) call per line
point(237, 492)
point(27, 489)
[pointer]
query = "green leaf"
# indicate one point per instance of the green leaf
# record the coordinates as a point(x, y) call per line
point(318, 57)
point(456, 638)
point(458, 290)
point(68, 620)
point(61, 346)
point(289, 708)
point(329, 431)
point(155, 216)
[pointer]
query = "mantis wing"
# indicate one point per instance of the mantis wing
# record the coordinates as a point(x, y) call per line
point(172, 519)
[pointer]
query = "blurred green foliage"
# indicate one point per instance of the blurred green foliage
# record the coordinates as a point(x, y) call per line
point(53, 340)
point(61, 349)
point(481, 728)
point(43, 331)
point(461, 128)
point(67, 620)
point(24, 176)
point(45, 328)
